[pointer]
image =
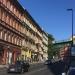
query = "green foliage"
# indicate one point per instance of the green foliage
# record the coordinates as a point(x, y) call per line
point(50, 39)
point(53, 50)
point(50, 51)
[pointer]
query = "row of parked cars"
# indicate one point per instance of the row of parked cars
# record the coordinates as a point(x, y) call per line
point(22, 66)
point(48, 62)
point(19, 67)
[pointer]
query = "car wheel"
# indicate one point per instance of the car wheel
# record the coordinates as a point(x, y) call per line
point(22, 71)
point(27, 69)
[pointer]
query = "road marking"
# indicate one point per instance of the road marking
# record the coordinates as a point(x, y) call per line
point(41, 69)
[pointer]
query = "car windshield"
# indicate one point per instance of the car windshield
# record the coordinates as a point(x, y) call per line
point(72, 72)
point(18, 62)
point(73, 51)
point(72, 64)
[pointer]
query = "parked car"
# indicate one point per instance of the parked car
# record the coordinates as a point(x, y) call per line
point(19, 66)
point(71, 70)
point(48, 62)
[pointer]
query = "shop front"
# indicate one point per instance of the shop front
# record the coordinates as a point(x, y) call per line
point(8, 54)
point(34, 56)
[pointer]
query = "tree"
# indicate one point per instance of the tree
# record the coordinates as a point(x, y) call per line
point(50, 46)
point(50, 39)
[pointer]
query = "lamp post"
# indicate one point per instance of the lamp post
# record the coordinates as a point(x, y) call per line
point(72, 23)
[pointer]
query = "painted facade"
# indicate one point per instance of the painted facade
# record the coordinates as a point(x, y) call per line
point(21, 38)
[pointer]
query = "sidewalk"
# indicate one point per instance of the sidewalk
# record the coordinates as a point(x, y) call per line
point(3, 66)
point(6, 66)
point(36, 62)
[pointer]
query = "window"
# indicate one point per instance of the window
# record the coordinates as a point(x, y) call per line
point(4, 16)
point(1, 1)
point(19, 15)
point(8, 4)
point(12, 39)
point(17, 41)
point(24, 19)
point(11, 7)
point(14, 23)
point(4, 2)
point(5, 37)
point(17, 26)
point(14, 10)
point(1, 34)
point(7, 18)
point(20, 42)
point(20, 28)
point(23, 42)
point(10, 21)
point(73, 51)
point(0, 13)
point(9, 38)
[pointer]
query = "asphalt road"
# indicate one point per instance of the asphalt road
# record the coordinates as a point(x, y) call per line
point(40, 69)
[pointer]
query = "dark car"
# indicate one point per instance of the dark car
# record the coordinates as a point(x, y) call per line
point(48, 62)
point(71, 71)
point(19, 66)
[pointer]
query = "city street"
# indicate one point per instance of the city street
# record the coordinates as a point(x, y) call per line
point(40, 69)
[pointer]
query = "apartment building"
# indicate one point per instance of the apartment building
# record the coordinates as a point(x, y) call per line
point(45, 46)
point(20, 35)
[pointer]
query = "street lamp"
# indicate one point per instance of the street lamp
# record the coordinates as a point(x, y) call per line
point(72, 23)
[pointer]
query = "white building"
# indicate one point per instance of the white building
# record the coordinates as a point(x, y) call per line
point(45, 45)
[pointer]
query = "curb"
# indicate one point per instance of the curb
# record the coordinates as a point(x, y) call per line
point(6, 66)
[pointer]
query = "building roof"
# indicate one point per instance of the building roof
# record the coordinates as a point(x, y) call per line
point(45, 33)
point(36, 24)
point(27, 13)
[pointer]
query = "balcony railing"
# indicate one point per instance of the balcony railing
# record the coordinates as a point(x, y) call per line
point(23, 23)
point(4, 24)
point(10, 12)
point(31, 29)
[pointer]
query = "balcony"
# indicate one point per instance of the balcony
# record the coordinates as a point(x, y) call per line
point(24, 24)
point(8, 27)
point(10, 12)
point(33, 47)
point(41, 52)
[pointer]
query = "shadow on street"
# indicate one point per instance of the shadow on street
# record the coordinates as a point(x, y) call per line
point(57, 68)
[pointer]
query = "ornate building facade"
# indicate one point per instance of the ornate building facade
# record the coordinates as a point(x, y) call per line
point(45, 46)
point(21, 38)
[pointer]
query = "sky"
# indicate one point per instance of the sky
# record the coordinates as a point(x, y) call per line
point(52, 16)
